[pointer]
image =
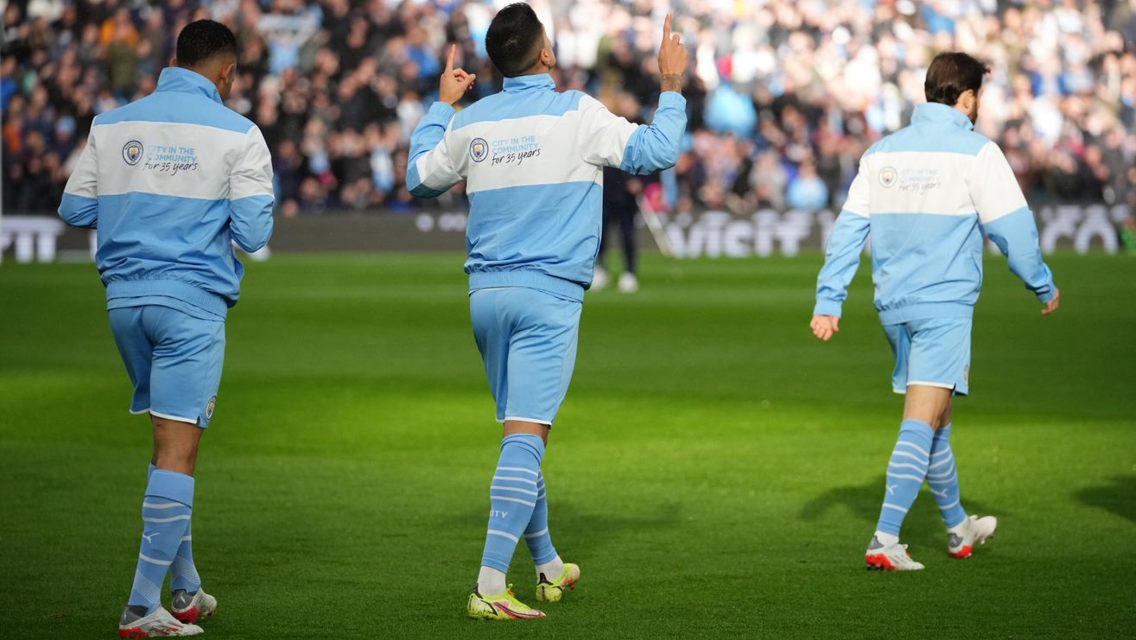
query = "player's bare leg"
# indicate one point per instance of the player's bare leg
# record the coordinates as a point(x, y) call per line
point(964, 532)
point(166, 512)
point(927, 404)
point(175, 445)
point(924, 409)
point(513, 427)
point(514, 496)
point(554, 576)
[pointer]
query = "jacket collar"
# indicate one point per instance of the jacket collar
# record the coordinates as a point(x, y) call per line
point(186, 81)
point(935, 113)
point(535, 81)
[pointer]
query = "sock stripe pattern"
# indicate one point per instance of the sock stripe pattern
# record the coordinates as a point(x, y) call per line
point(942, 476)
point(536, 534)
point(166, 511)
point(905, 474)
point(183, 572)
point(513, 496)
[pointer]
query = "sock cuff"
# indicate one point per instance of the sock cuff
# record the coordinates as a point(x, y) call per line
point(525, 441)
point(917, 430)
point(171, 485)
point(546, 558)
point(942, 435)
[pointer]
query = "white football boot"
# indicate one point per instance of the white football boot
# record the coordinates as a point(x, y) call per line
point(892, 557)
point(973, 531)
point(159, 624)
point(190, 607)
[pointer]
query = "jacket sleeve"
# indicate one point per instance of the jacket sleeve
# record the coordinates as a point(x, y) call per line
point(1008, 221)
point(611, 141)
point(845, 244)
point(80, 204)
point(251, 197)
point(433, 168)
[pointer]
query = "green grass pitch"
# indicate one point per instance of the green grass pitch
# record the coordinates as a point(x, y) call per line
point(715, 470)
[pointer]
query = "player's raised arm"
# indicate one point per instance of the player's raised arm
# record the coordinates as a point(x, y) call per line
point(251, 196)
point(1009, 223)
point(80, 205)
point(432, 167)
point(609, 140)
point(842, 256)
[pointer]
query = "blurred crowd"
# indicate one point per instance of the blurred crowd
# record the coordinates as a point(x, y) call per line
point(783, 95)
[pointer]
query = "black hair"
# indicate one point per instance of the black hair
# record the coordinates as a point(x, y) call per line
point(514, 39)
point(951, 74)
point(201, 40)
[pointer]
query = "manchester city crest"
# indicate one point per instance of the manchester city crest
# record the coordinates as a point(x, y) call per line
point(210, 407)
point(888, 176)
point(478, 149)
point(132, 152)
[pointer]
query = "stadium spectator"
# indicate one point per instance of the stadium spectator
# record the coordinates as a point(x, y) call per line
point(775, 83)
point(807, 191)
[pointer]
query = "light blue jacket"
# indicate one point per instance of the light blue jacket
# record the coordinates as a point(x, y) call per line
point(170, 182)
point(927, 194)
point(533, 161)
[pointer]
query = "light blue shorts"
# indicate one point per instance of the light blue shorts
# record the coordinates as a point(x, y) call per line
point(174, 361)
point(527, 339)
point(934, 353)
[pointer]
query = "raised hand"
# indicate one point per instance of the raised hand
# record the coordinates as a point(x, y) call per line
point(454, 82)
point(672, 59)
point(824, 327)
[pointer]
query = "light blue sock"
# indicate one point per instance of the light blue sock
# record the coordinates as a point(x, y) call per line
point(942, 475)
point(536, 534)
point(166, 510)
point(183, 572)
point(512, 498)
point(905, 474)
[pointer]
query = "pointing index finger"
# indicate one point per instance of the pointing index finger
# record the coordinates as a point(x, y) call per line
point(667, 28)
point(450, 58)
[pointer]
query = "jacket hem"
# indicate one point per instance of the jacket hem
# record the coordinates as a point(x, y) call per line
point(175, 289)
point(526, 278)
point(926, 311)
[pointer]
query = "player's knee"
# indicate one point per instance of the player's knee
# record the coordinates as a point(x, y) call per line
point(927, 404)
point(181, 461)
point(944, 418)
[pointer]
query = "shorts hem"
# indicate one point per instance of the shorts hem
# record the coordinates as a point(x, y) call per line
point(139, 412)
point(520, 419)
point(924, 383)
point(166, 416)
